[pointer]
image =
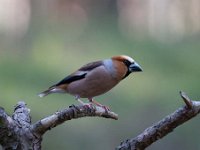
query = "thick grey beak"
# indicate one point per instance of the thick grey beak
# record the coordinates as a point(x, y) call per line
point(135, 67)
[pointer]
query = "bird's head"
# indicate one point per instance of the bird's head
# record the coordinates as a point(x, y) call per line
point(130, 63)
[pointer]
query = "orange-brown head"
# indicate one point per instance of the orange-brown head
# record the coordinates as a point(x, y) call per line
point(125, 65)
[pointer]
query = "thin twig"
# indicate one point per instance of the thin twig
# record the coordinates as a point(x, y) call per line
point(186, 99)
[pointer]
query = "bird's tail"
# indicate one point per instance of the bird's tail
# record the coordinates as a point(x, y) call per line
point(45, 93)
point(53, 89)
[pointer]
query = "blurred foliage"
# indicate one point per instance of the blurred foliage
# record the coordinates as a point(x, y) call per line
point(51, 50)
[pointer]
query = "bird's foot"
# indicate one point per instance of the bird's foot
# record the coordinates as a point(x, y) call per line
point(88, 105)
point(91, 105)
point(106, 108)
point(79, 100)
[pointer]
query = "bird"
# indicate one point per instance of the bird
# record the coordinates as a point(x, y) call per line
point(95, 78)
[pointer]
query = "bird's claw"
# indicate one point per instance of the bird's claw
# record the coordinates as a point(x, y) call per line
point(88, 105)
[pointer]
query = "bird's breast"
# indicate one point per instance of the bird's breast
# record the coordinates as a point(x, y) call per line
point(96, 82)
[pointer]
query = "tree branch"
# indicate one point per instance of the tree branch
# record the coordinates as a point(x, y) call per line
point(18, 133)
point(163, 127)
point(73, 112)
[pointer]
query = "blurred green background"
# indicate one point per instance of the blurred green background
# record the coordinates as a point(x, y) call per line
point(43, 41)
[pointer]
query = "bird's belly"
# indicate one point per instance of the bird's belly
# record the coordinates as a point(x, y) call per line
point(92, 86)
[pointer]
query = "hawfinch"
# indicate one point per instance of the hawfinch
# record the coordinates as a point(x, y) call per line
point(95, 78)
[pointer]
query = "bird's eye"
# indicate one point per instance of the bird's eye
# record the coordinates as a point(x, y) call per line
point(127, 63)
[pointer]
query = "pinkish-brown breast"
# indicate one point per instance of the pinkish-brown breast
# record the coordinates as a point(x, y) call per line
point(96, 82)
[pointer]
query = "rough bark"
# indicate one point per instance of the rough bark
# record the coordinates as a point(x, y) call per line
point(15, 131)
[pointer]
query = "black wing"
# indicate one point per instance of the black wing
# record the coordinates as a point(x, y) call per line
point(77, 76)
point(70, 79)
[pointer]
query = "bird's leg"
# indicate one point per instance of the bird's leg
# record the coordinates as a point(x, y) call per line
point(98, 104)
point(77, 97)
